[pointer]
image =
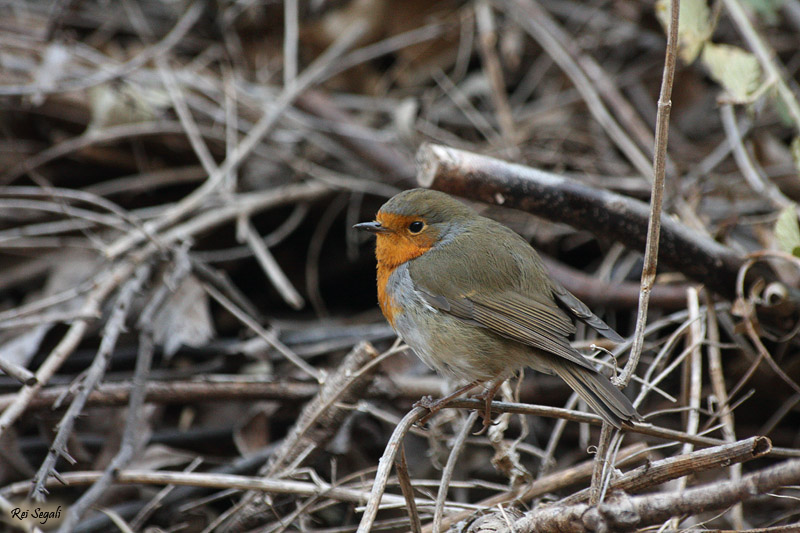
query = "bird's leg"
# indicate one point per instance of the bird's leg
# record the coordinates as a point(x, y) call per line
point(488, 395)
point(435, 405)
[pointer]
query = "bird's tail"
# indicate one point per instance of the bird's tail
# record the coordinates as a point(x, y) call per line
point(597, 391)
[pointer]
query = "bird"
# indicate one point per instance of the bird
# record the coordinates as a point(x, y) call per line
point(475, 302)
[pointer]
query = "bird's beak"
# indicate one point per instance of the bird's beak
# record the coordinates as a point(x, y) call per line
point(372, 227)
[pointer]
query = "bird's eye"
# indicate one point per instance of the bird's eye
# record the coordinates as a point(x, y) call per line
point(416, 226)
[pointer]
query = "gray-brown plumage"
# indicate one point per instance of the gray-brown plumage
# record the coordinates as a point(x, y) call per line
point(474, 300)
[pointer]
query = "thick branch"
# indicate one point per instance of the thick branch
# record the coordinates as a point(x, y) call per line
point(622, 513)
point(565, 200)
point(658, 472)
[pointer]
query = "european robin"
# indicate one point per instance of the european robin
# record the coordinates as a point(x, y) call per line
point(475, 302)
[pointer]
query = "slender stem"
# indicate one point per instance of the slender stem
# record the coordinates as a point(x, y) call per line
point(404, 480)
point(600, 459)
point(657, 195)
point(447, 473)
point(385, 467)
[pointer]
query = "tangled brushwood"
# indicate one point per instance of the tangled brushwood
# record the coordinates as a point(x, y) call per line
point(189, 332)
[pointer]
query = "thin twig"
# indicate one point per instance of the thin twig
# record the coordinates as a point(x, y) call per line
point(271, 267)
point(9, 205)
point(401, 466)
point(178, 32)
point(464, 105)
point(487, 31)
point(270, 337)
point(539, 25)
point(132, 437)
point(656, 196)
point(692, 380)
point(590, 418)
point(94, 374)
point(385, 467)
point(757, 182)
point(747, 306)
point(314, 73)
point(20, 373)
point(212, 480)
point(70, 194)
point(717, 378)
point(447, 473)
point(601, 461)
point(548, 459)
point(290, 38)
point(68, 343)
point(91, 137)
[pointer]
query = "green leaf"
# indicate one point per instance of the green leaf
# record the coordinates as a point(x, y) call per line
point(787, 231)
point(795, 150)
point(694, 25)
point(780, 108)
point(735, 69)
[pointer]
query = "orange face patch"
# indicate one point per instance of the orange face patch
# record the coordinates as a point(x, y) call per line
point(399, 245)
point(395, 247)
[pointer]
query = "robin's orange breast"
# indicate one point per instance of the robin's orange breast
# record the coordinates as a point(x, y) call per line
point(388, 304)
point(392, 249)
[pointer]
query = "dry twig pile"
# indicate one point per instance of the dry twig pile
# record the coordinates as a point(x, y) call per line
point(189, 339)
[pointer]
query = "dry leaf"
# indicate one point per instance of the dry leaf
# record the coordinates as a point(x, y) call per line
point(735, 69)
point(787, 231)
point(184, 319)
point(68, 270)
point(694, 25)
point(253, 433)
point(116, 104)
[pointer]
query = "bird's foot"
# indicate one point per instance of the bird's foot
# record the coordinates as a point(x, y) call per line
point(435, 406)
point(427, 402)
point(487, 396)
point(486, 415)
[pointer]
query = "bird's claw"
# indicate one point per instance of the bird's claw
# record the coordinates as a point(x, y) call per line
point(484, 428)
point(433, 406)
point(487, 419)
point(426, 401)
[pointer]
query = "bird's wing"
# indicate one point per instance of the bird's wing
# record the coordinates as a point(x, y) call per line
point(583, 313)
point(503, 286)
point(516, 318)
